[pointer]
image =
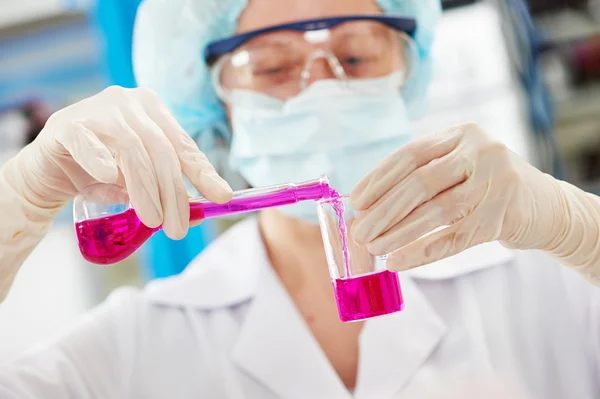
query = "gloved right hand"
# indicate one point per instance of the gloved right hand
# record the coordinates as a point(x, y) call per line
point(125, 137)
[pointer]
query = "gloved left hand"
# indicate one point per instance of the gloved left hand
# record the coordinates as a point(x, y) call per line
point(464, 181)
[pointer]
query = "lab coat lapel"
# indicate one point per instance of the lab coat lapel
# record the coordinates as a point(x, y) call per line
point(276, 347)
point(394, 347)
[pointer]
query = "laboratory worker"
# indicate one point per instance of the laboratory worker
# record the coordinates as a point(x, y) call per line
point(506, 291)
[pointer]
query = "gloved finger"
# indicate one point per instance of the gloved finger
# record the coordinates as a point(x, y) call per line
point(137, 169)
point(445, 209)
point(420, 186)
point(173, 195)
point(400, 164)
point(436, 246)
point(194, 163)
point(89, 152)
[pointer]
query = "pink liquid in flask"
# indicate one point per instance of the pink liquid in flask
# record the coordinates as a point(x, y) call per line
point(367, 295)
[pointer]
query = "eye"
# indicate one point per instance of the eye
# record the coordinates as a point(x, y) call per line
point(274, 69)
point(270, 71)
point(353, 61)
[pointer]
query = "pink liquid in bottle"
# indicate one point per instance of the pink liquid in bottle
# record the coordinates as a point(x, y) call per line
point(367, 295)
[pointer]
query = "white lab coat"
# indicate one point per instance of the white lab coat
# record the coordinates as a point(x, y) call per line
point(226, 328)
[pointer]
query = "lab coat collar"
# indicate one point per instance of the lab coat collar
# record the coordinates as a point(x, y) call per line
point(226, 273)
point(276, 347)
point(394, 347)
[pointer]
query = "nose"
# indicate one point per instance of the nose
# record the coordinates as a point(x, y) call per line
point(319, 70)
point(321, 65)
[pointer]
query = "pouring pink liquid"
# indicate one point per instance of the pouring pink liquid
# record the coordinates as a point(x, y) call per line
point(360, 293)
point(368, 295)
point(111, 238)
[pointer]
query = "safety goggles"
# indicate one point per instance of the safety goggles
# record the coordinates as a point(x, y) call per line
point(283, 60)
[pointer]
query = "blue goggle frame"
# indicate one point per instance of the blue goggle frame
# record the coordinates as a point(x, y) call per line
point(224, 46)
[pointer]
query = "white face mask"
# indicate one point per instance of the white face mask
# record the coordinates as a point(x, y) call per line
point(329, 128)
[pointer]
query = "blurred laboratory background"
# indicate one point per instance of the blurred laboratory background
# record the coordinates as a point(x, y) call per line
point(527, 70)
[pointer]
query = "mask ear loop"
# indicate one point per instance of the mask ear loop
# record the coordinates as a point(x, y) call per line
point(413, 55)
point(333, 62)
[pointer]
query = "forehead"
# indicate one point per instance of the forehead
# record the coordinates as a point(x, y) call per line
point(260, 14)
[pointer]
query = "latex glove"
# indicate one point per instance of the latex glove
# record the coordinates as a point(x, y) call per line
point(479, 191)
point(121, 136)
